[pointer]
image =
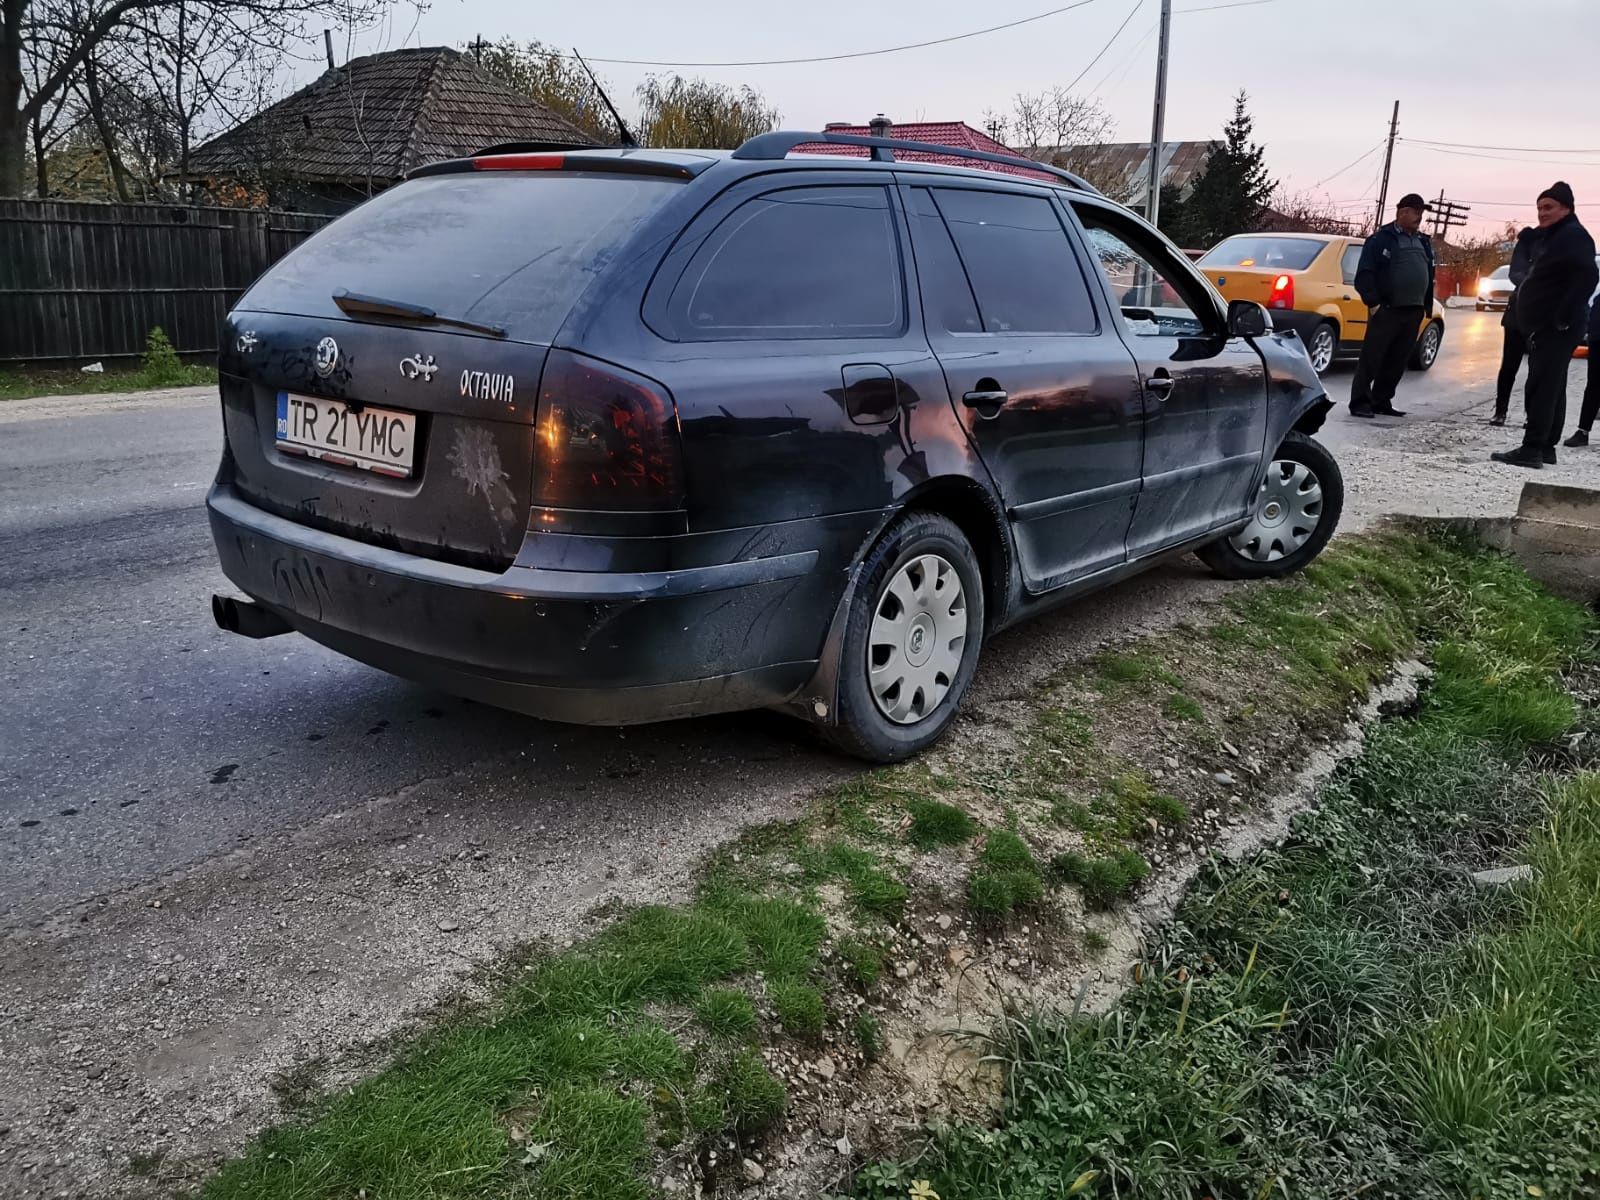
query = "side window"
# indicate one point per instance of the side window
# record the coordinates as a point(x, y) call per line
point(799, 263)
point(1156, 301)
point(1351, 260)
point(1023, 272)
point(947, 299)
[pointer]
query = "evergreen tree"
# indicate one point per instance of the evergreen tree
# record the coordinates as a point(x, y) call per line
point(1231, 193)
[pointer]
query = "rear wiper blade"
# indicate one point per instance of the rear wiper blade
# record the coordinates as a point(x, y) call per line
point(377, 306)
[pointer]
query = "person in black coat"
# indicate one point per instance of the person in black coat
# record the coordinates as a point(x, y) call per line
point(1513, 348)
point(1591, 389)
point(1551, 308)
point(1395, 280)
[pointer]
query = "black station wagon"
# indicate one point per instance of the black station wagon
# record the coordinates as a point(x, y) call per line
point(617, 436)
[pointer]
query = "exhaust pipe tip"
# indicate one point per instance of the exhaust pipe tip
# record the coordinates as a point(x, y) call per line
point(247, 618)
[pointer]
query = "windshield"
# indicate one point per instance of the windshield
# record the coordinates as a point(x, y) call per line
point(1500, 273)
point(1266, 253)
point(510, 249)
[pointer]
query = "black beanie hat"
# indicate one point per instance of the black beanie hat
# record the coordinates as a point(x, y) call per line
point(1561, 193)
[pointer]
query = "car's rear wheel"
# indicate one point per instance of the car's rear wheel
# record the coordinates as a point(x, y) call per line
point(1322, 345)
point(912, 639)
point(1426, 351)
point(1296, 511)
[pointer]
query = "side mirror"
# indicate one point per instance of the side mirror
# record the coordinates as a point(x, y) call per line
point(1247, 319)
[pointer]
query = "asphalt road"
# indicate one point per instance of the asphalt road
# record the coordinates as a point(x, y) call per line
point(139, 738)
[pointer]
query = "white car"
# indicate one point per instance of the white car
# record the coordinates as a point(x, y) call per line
point(1495, 288)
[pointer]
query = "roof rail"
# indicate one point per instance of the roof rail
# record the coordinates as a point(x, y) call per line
point(777, 145)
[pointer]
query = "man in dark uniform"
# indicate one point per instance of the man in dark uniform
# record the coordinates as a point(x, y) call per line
point(1513, 348)
point(1550, 312)
point(1591, 389)
point(1395, 280)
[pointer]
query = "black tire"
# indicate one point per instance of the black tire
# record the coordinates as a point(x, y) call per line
point(1327, 333)
point(863, 729)
point(1422, 357)
point(1230, 562)
point(1482, 307)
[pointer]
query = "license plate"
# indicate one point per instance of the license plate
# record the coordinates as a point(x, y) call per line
point(380, 440)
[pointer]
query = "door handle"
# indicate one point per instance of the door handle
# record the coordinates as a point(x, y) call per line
point(985, 399)
point(1160, 385)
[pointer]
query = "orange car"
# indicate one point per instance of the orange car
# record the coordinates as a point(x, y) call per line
point(1307, 282)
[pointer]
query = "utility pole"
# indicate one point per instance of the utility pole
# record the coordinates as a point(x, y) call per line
point(1388, 158)
point(1152, 206)
point(1447, 214)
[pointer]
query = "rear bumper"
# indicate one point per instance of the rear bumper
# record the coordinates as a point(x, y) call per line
point(1301, 322)
point(589, 647)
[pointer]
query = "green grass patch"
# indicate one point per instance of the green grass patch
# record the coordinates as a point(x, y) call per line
point(726, 1013)
point(1348, 1014)
point(799, 1007)
point(935, 823)
point(1005, 851)
point(863, 962)
point(1183, 708)
point(1104, 882)
point(1132, 669)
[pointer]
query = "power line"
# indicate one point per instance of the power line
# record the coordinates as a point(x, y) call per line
point(1532, 162)
point(1132, 12)
point(1347, 166)
point(1124, 65)
point(1184, 12)
point(821, 58)
point(1514, 149)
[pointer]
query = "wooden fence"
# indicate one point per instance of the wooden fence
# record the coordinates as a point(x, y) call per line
point(82, 281)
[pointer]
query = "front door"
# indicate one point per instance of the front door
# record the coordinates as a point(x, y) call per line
point(1046, 391)
point(1205, 393)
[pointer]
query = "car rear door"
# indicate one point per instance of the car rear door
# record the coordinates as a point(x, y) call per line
point(1205, 393)
point(1045, 389)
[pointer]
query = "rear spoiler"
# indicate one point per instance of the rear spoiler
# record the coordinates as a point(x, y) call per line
point(533, 156)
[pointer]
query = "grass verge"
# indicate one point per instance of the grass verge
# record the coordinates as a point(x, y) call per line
point(642, 1051)
point(159, 368)
point(1350, 1013)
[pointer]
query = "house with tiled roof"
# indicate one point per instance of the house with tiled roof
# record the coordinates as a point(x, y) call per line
point(361, 127)
point(943, 133)
point(1121, 168)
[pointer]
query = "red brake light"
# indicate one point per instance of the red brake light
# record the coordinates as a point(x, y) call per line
point(520, 162)
point(606, 439)
point(1282, 292)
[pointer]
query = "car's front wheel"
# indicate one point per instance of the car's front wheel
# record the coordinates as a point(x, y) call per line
point(1321, 347)
point(912, 639)
point(1426, 351)
point(1296, 511)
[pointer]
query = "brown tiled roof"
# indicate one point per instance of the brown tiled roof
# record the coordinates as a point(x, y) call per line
point(1181, 162)
point(381, 116)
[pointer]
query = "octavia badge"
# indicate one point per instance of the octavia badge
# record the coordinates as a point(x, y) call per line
point(418, 366)
point(327, 356)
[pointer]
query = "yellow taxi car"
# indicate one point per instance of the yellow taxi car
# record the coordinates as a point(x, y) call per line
point(1307, 282)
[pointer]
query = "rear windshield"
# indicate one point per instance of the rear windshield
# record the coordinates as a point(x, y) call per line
point(509, 249)
point(1268, 253)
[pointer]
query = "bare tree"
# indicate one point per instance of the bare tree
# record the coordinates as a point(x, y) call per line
point(1469, 259)
point(58, 38)
point(1064, 130)
point(1302, 212)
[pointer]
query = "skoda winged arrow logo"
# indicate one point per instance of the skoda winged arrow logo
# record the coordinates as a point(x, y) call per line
point(327, 356)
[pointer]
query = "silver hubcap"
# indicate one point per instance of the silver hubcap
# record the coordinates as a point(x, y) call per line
point(918, 635)
point(1322, 349)
point(1288, 508)
point(1430, 343)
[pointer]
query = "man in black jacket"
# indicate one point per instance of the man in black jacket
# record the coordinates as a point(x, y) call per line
point(1591, 390)
point(1395, 279)
point(1513, 348)
point(1550, 313)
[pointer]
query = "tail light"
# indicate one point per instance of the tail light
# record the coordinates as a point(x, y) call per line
point(606, 440)
point(1282, 292)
